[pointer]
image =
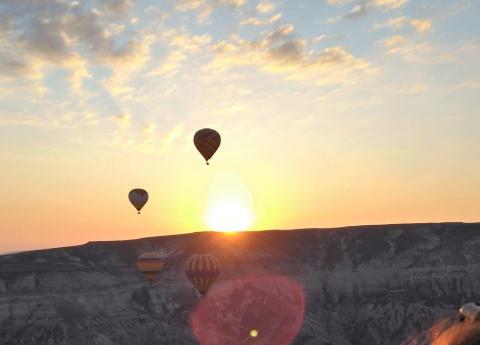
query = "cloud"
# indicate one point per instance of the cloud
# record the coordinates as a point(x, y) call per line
point(181, 45)
point(357, 11)
point(265, 7)
point(328, 38)
point(414, 52)
point(123, 119)
point(396, 23)
point(386, 4)
point(187, 42)
point(319, 38)
point(281, 52)
point(279, 34)
point(467, 84)
point(69, 35)
point(117, 8)
point(412, 89)
point(338, 2)
point(149, 129)
point(255, 21)
point(170, 65)
point(389, 4)
point(289, 51)
point(13, 69)
point(189, 5)
point(420, 25)
point(363, 7)
point(205, 8)
point(173, 134)
point(149, 139)
point(394, 41)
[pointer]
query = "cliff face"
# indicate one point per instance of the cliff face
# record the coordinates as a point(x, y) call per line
point(362, 285)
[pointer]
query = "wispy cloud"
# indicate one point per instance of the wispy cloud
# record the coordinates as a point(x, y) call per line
point(414, 52)
point(467, 84)
point(363, 7)
point(420, 25)
point(256, 21)
point(265, 7)
point(281, 52)
point(180, 45)
point(204, 8)
point(67, 35)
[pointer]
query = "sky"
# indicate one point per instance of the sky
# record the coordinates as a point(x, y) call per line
point(331, 112)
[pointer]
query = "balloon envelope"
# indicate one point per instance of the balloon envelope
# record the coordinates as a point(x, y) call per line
point(202, 271)
point(207, 142)
point(150, 264)
point(138, 197)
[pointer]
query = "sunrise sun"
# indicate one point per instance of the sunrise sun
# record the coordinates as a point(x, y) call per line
point(229, 205)
point(229, 215)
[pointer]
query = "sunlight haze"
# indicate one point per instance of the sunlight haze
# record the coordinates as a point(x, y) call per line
point(331, 113)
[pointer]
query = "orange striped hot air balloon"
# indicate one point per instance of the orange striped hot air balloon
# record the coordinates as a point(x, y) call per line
point(150, 264)
point(207, 142)
point(202, 271)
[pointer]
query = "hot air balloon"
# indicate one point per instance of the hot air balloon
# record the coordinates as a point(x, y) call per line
point(207, 142)
point(150, 264)
point(202, 271)
point(138, 197)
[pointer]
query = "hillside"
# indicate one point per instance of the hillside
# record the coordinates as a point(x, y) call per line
point(363, 285)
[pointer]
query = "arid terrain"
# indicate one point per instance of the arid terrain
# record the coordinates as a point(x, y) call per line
point(363, 285)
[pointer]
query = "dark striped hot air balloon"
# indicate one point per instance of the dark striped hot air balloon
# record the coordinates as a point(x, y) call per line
point(202, 271)
point(138, 197)
point(207, 142)
point(150, 264)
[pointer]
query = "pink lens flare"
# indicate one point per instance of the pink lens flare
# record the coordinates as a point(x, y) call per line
point(260, 309)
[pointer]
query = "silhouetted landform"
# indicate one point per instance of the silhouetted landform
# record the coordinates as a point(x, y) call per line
point(363, 285)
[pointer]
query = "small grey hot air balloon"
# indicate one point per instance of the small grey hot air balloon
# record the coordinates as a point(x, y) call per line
point(207, 142)
point(138, 197)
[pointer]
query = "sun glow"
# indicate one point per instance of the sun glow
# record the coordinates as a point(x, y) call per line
point(229, 205)
point(229, 215)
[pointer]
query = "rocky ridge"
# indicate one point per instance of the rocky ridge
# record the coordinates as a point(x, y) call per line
point(363, 285)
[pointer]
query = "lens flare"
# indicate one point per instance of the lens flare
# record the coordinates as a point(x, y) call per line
point(238, 311)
